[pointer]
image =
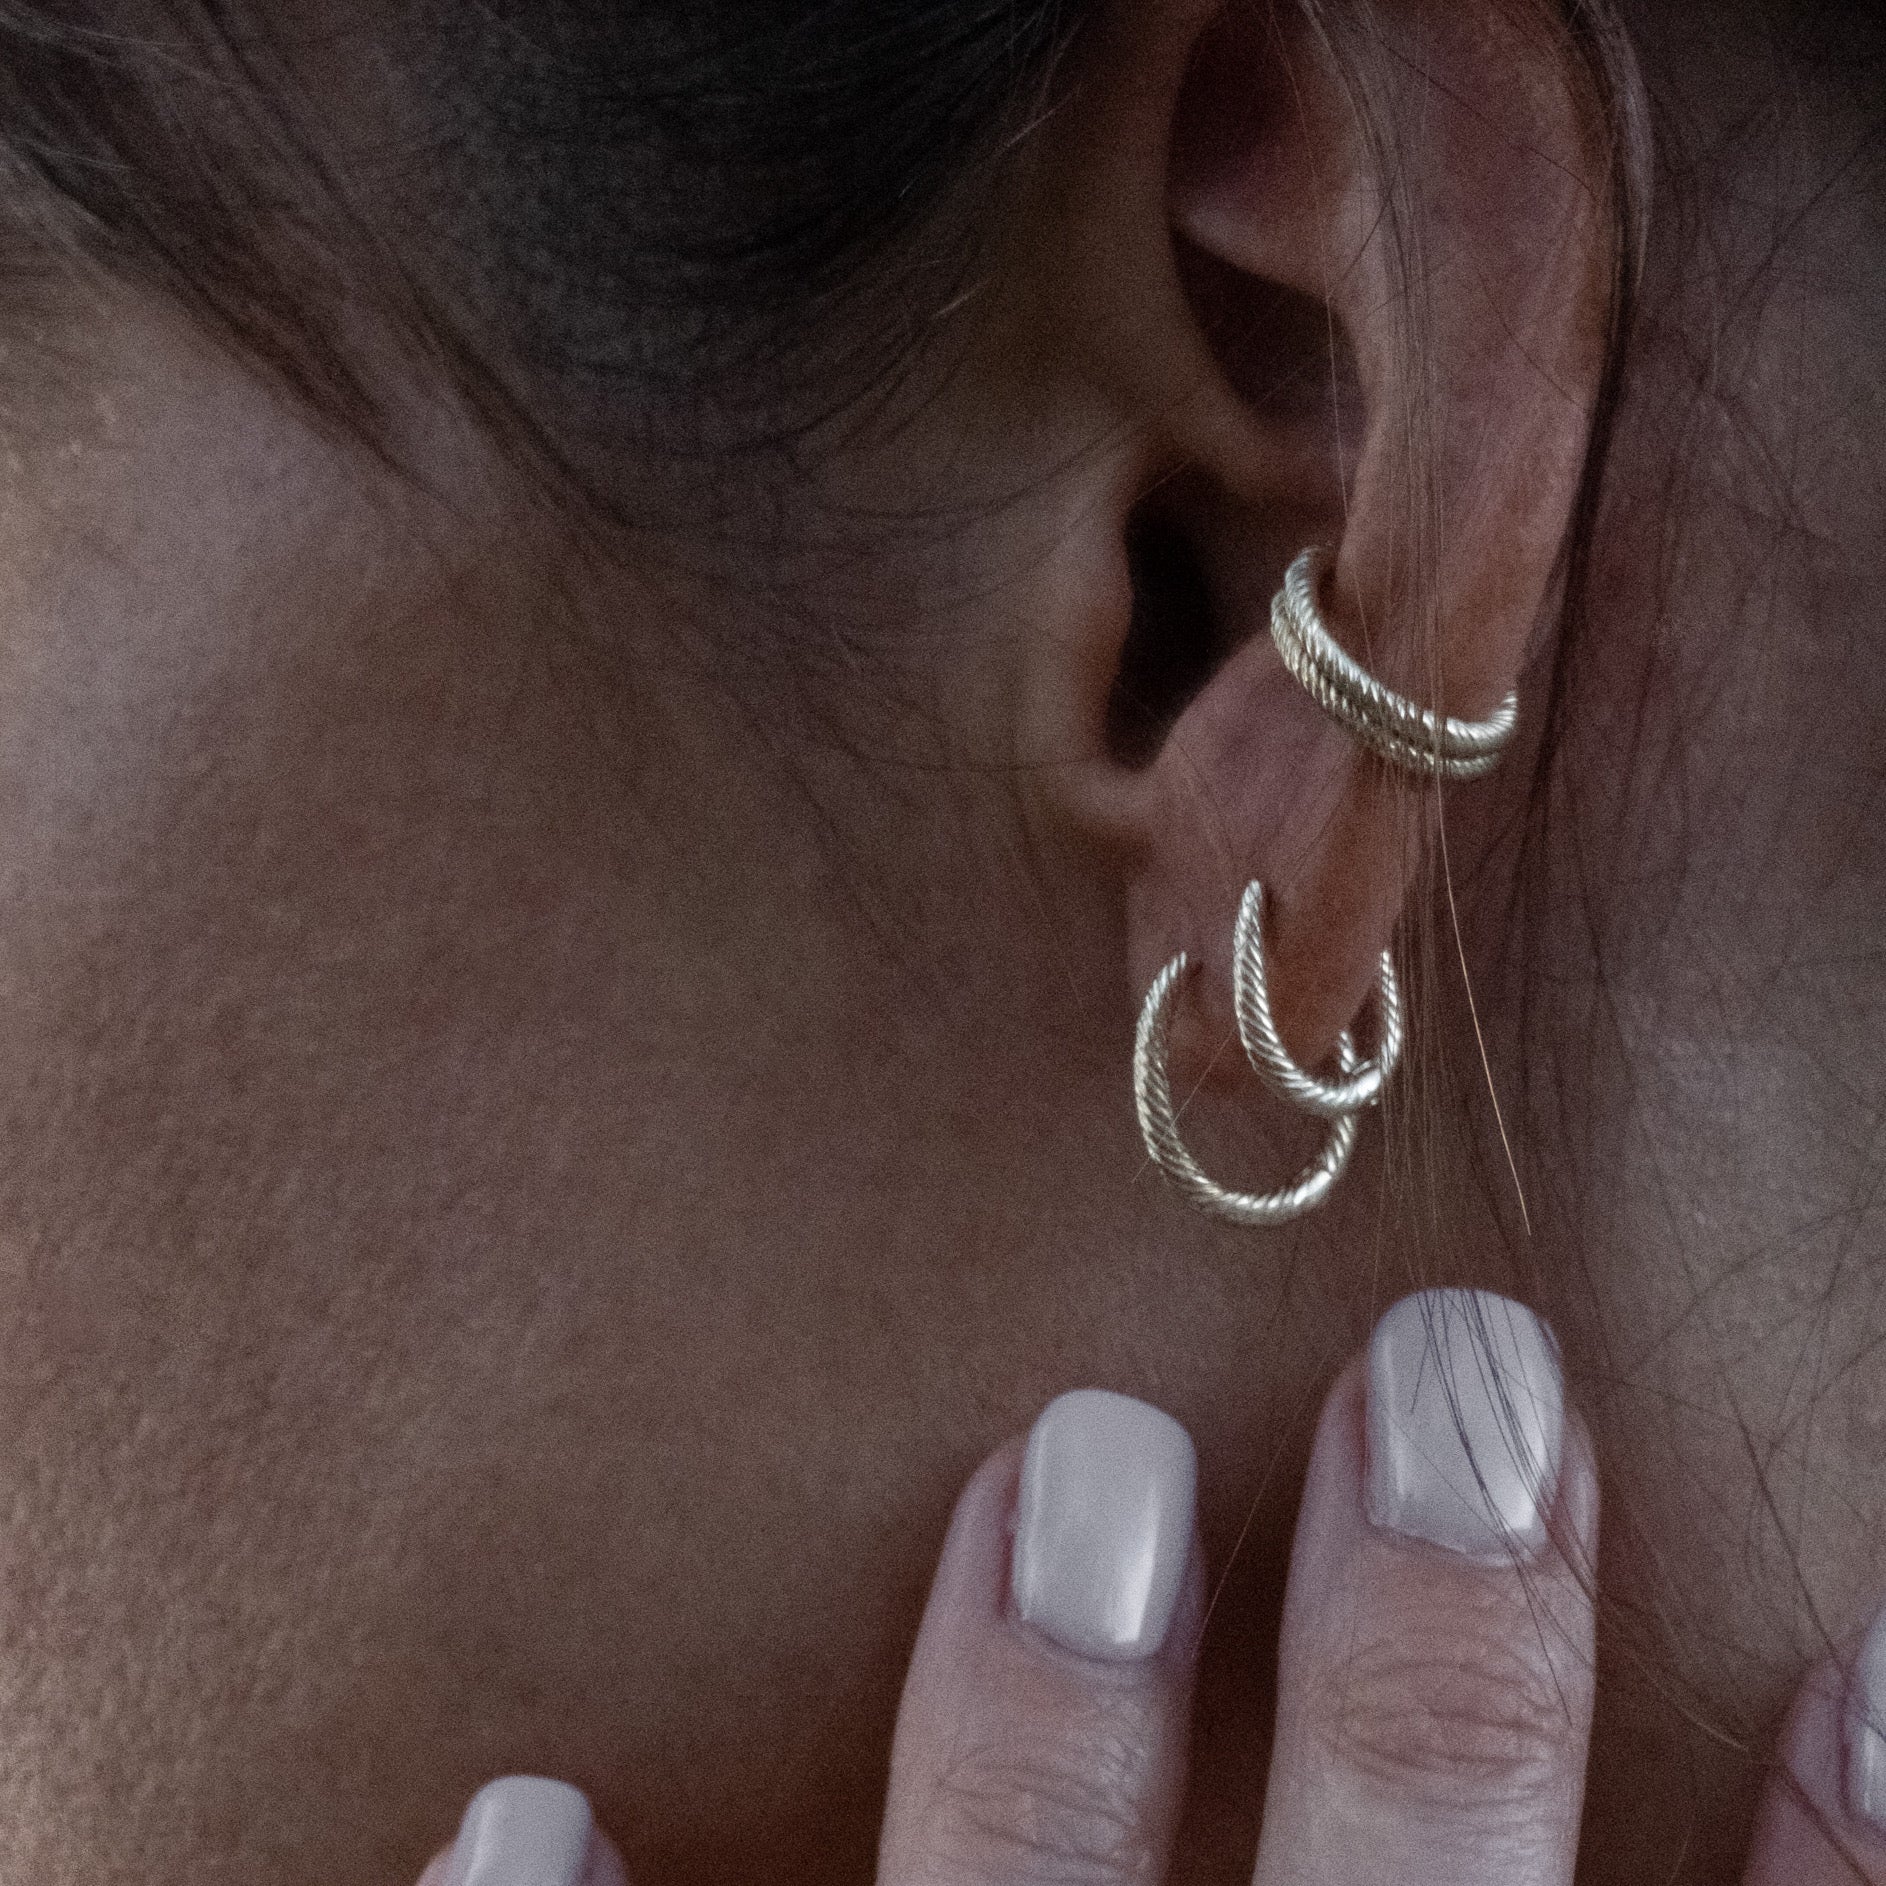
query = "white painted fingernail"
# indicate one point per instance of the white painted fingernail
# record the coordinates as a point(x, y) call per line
point(1866, 1730)
point(522, 1831)
point(1104, 1524)
point(1466, 1423)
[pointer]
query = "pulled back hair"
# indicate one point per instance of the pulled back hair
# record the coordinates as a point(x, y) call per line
point(673, 230)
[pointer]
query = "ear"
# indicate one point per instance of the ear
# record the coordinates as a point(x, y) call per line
point(1358, 295)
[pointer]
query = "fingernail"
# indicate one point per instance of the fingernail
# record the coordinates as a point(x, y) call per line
point(1466, 1423)
point(1103, 1524)
point(522, 1831)
point(1866, 1730)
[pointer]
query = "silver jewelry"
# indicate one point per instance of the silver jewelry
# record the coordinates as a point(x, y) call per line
point(1358, 1086)
point(1388, 724)
point(1159, 1126)
point(1264, 1048)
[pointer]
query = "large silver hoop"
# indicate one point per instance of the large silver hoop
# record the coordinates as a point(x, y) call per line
point(1360, 1083)
point(1159, 1124)
point(1388, 724)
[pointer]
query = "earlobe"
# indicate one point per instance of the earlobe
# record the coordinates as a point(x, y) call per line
point(1397, 258)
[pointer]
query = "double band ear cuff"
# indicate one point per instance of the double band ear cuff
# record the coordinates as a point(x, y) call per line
point(1358, 1083)
point(1389, 724)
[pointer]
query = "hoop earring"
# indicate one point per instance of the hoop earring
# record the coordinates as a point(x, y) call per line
point(1396, 729)
point(1159, 1124)
point(1264, 1048)
point(1358, 1086)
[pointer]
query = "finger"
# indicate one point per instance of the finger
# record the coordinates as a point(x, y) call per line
point(1435, 1670)
point(1041, 1736)
point(526, 1831)
point(1823, 1820)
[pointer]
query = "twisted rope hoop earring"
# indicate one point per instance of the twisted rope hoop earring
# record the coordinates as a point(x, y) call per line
point(1159, 1125)
point(1358, 1084)
point(1415, 738)
point(1264, 1047)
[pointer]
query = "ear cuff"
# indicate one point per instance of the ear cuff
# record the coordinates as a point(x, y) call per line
point(1391, 726)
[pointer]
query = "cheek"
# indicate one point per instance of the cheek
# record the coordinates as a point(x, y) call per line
point(319, 1049)
point(350, 1447)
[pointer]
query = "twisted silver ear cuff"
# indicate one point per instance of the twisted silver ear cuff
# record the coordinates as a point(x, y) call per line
point(1388, 724)
point(1358, 1085)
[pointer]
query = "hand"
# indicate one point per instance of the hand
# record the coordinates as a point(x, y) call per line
point(1435, 1675)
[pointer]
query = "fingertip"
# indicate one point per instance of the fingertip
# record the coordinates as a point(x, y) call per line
point(1436, 1663)
point(1343, 1484)
point(983, 1518)
point(1105, 1514)
point(1819, 1821)
point(604, 1866)
point(527, 1830)
point(972, 1568)
point(1043, 1720)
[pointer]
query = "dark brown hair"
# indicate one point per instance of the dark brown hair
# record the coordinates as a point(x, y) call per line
point(677, 228)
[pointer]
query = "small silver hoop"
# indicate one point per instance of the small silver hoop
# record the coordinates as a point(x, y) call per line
point(1361, 1082)
point(1388, 724)
point(1159, 1125)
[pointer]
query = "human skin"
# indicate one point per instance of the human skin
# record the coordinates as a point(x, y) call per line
point(534, 1168)
point(1435, 1662)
